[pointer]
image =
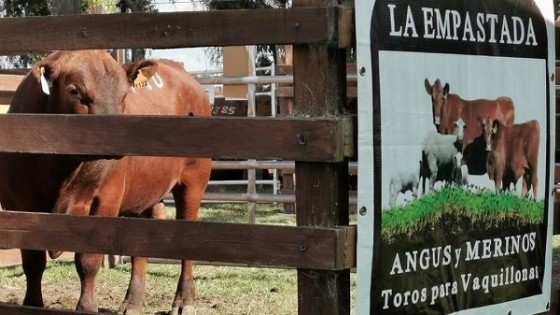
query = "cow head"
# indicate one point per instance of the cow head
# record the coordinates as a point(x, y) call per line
point(459, 130)
point(438, 95)
point(82, 82)
point(489, 129)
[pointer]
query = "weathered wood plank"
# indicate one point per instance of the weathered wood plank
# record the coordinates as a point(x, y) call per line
point(10, 82)
point(6, 97)
point(303, 139)
point(282, 246)
point(173, 30)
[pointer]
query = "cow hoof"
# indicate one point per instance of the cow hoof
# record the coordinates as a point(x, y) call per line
point(187, 310)
point(130, 309)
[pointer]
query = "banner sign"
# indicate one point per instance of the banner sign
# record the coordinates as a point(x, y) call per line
point(455, 146)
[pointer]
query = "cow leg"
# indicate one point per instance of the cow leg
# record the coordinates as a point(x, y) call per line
point(187, 202)
point(534, 183)
point(432, 164)
point(498, 181)
point(525, 184)
point(134, 299)
point(34, 263)
point(186, 209)
point(529, 181)
point(88, 266)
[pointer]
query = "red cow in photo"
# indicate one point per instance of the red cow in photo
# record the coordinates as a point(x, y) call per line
point(92, 82)
point(513, 152)
point(448, 108)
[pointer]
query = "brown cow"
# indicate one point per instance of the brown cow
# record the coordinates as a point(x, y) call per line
point(448, 108)
point(91, 82)
point(513, 151)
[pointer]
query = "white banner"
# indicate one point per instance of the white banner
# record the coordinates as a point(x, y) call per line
point(456, 156)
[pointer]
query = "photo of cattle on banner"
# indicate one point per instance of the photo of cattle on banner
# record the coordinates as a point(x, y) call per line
point(472, 137)
point(485, 140)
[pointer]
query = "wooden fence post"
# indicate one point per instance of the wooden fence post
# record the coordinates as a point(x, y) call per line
point(321, 188)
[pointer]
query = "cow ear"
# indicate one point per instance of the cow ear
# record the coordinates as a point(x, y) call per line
point(46, 74)
point(446, 89)
point(495, 126)
point(140, 72)
point(428, 86)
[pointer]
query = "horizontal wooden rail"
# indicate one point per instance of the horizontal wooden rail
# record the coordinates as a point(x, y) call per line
point(266, 245)
point(301, 139)
point(177, 29)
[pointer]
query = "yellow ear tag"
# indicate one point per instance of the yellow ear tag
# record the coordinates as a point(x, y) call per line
point(141, 80)
point(44, 83)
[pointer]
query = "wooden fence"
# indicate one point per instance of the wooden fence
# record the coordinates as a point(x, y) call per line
point(322, 246)
point(10, 79)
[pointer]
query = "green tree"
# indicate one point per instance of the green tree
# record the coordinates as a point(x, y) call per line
point(90, 6)
point(17, 8)
point(22, 8)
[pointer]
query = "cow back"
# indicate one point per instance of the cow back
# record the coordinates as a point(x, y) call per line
point(169, 91)
point(471, 112)
point(519, 141)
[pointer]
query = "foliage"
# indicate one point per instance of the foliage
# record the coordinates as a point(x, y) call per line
point(17, 8)
point(110, 6)
point(22, 8)
point(479, 206)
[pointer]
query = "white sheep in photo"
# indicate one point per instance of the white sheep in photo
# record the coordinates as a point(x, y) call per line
point(402, 183)
point(437, 155)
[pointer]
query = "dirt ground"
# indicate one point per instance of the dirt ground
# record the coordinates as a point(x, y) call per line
point(65, 297)
point(219, 291)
